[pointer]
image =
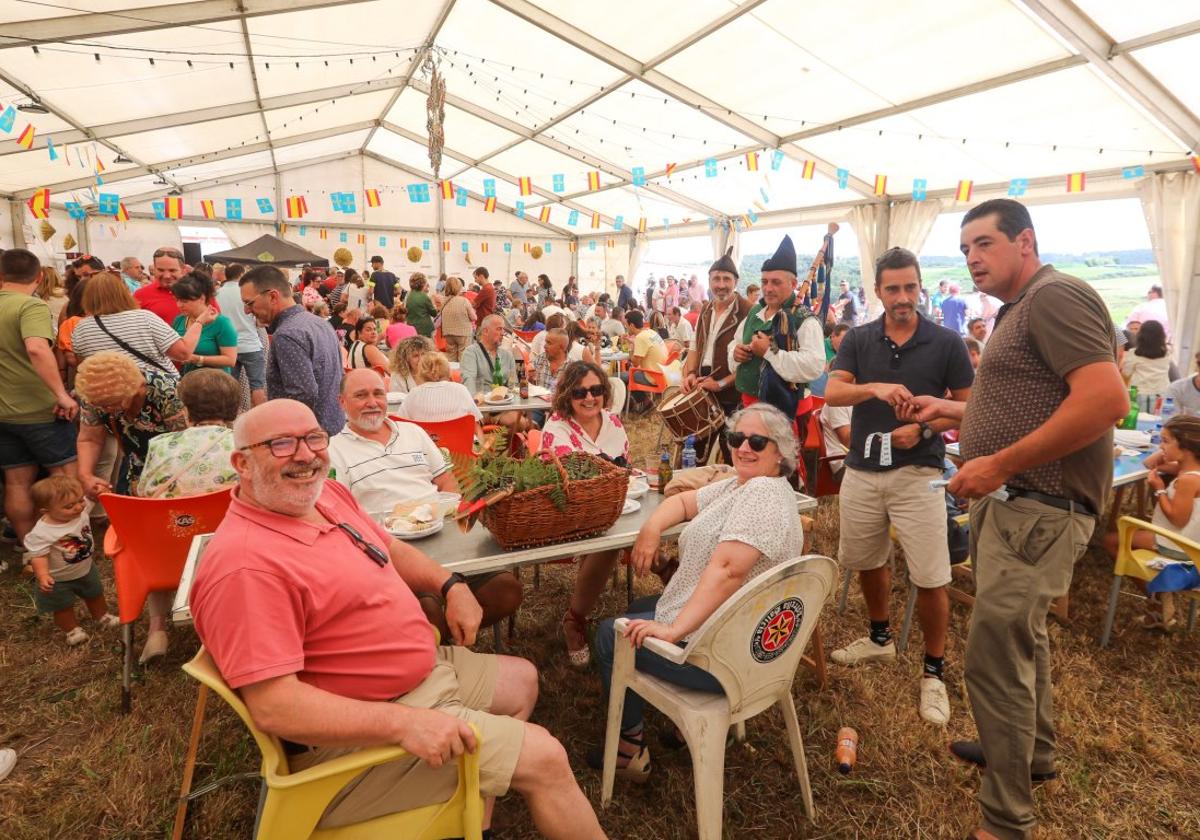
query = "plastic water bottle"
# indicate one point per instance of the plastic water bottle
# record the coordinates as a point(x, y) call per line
point(1156, 435)
point(1168, 409)
point(689, 452)
point(846, 752)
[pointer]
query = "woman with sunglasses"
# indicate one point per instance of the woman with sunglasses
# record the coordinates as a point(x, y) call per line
point(737, 529)
point(581, 421)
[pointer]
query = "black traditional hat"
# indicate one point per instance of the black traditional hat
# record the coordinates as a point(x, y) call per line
point(725, 263)
point(784, 258)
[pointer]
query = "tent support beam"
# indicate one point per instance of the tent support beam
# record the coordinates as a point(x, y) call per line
point(262, 115)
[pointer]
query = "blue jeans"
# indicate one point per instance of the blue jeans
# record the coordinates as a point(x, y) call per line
point(688, 676)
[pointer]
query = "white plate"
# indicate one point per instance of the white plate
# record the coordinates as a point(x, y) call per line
point(631, 506)
point(637, 489)
point(433, 528)
point(504, 401)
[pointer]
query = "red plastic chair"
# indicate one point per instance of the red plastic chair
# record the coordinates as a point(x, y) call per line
point(526, 335)
point(457, 435)
point(827, 483)
point(148, 542)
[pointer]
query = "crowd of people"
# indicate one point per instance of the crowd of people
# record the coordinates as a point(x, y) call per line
point(196, 378)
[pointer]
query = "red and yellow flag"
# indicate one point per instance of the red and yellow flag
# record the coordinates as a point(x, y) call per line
point(362, 239)
point(544, 214)
point(372, 198)
point(670, 169)
point(612, 243)
point(174, 207)
point(880, 185)
point(525, 185)
point(810, 167)
point(25, 141)
point(99, 165)
point(1196, 162)
point(595, 220)
point(206, 207)
point(39, 204)
point(324, 234)
point(642, 225)
point(403, 242)
point(1075, 182)
point(447, 188)
point(594, 180)
point(489, 204)
point(445, 244)
point(526, 247)
point(752, 161)
point(965, 188)
point(297, 206)
point(571, 246)
point(483, 247)
point(122, 213)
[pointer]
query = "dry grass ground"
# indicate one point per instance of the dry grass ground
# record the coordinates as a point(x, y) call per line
point(1127, 722)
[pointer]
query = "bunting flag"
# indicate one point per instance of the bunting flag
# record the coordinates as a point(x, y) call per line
point(160, 210)
point(489, 204)
point(372, 198)
point(710, 168)
point(265, 206)
point(297, 206)
point(525, 247)
point(544, 214)
point(75, 211)
point(122, 213)
point(525, 185)
point(107, 204)
point(323, 234)
point(546, 247)
point(776, 160)
point(573, 218)
point(483, 247)
point(489, 187)
point(751, 161)
point(362, 239)
point(642, 224)
point(281, 227)
point(963, 193)
point(746, 222)
point(595, 220)
point(447, 189)
point(670, 169)
point(207, 209)
point(765, 196)
point(174, 208)
point(1076, 182)
point(25, 141)
point(403, 242)
point(39, 204)
point(304, 230)
point(920, 189)
point(343, 237)
point(1133, 172)
point(618, 222)
point(233, 208)
point(1196, 162)
point(349, 203)
point(466, 247)
point(383, 242)
point(881, 185)
point(425, 245)
point(7, 119)
point(808, 170)
point(460, 197)
point(559, 183)
point(593, 179)
point(520, 209)
point(572, 246)
point(99, 165)
point(639, 176)
point(843, 178)
point(50, 149)
point(508, 247)
point(1018, 186)
point(445, 244)
point(611, 243)
point(419, 193)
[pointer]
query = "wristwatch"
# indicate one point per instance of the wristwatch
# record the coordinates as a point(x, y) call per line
point(454, 578)
point(926, 431)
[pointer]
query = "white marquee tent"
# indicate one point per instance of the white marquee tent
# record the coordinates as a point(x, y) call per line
point(631, 120)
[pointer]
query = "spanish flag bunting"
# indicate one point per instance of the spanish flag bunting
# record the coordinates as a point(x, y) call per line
point(595, 220)
point(296, 205)
point(594, 180)
point(964, 191)
point(447, 188)
point(880, 185)
point(752, 161)
point(39, 204)
point(282, 228)
point(810, 167)
point(489, 204)
point(362, 239)
point(99, 165)
point(483, 246)
point(642, 225)
point(1075, 182)
point(612, 243)
point(526, 247)
point(1196, 162)
point(324, 234)
point(206, 207)
point(174, 207)
point(544, 214)
point(572, 245)
point(403, 242)
point(372, 198)
point(670, 169)
point(526, 185)
point(445, 244)
point(25, 140)
point(122, 213)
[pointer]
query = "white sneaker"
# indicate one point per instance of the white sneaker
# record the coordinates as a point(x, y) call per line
point(8, 760)
point(108, 620)
point(76, 637)
point(863, 650)
point(935, 705)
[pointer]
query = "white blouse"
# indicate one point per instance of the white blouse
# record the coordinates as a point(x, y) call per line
point(434, 402)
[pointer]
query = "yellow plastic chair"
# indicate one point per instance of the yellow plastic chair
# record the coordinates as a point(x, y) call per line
point(1135, 563)
point(293, 803)
point(753, 645)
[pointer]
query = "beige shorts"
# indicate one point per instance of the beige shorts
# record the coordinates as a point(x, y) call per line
point(461, 684)
point(871, 502)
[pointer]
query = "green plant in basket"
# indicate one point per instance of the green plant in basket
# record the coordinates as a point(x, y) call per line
point(499, 471)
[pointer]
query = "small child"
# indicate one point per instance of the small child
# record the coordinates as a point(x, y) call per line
point(60, 550)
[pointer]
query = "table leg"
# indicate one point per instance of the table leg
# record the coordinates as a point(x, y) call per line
point(189, 763)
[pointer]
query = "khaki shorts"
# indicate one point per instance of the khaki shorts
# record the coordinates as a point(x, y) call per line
point(870, 502)
point(461, 684)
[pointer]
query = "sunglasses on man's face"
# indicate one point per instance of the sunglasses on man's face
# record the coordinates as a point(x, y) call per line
point(757, 442)
point(582, 393)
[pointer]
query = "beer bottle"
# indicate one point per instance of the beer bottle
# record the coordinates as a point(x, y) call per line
point(664, 472)
point(522, 381)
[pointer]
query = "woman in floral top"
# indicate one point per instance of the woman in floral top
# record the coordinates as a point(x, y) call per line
point(136, 405)
point(582, 421)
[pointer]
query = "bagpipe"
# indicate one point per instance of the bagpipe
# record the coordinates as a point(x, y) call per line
point(816, 290)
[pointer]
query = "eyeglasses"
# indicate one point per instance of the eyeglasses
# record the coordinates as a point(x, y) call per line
point(757, 442)
point(582, 393)
point(247, 305)
point(377, 554)
point(285, 447)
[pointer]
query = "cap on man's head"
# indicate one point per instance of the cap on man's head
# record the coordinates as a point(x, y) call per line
point(725, 263)
point(376, 259)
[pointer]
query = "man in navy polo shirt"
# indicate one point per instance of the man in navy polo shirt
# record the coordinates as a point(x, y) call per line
point(880, 366)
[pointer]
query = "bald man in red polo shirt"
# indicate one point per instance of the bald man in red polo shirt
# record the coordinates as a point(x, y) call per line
point(307, 607)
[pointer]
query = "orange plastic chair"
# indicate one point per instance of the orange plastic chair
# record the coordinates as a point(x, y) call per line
point(457, 435)
point(525, 335)
point(148, 542)
point(658, 383)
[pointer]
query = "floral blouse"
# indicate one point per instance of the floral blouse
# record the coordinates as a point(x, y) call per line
point(188, 463)
point(563, 435)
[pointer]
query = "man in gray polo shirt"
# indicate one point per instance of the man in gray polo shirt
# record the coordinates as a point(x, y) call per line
point(880, 366)
point(1039, 425)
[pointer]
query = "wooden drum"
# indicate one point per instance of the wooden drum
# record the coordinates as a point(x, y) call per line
point(697, 413)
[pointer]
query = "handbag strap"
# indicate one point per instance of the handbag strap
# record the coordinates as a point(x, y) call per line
point(129, 349)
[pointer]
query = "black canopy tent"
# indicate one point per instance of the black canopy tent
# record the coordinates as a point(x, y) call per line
point(268, 249)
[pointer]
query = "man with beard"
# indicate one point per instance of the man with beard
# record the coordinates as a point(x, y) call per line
point(383, 462)
point(707, 362)
point(307, 607)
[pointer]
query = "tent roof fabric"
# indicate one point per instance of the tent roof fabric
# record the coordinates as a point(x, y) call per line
point(269, 249)
point(204, 97)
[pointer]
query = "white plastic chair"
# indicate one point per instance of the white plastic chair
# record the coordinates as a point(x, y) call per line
point(618, 391)
point(752, 644)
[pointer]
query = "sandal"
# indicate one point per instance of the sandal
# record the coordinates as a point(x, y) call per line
point(582, 657)
point(637, 767)
point(1160, 613)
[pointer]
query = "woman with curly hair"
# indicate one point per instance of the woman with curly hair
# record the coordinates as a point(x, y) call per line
point(405, 357)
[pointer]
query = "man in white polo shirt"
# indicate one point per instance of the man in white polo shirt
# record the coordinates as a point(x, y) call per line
point(383, 462)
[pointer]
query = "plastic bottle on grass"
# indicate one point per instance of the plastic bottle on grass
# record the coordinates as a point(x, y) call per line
point(846, 752)
point(689, 452)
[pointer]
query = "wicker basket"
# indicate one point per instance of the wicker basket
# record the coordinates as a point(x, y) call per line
point(530, 518)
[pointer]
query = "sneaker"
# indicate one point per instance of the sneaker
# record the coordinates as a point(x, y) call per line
point(76, 637)
point(970, 752)
point(935, 705)
point(108, 620)
point(8, 760)
point(863, 650)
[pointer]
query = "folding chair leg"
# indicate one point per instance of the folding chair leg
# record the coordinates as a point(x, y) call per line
point(846, 575)
point(797, 742)
point(906, 628)
point(1110, 615)
point(189, 763)
point(127, 668)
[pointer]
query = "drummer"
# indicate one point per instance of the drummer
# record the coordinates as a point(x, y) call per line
point(706, 365)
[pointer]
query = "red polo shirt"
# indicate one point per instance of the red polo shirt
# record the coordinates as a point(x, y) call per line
point(277, 595)
point(159, 300)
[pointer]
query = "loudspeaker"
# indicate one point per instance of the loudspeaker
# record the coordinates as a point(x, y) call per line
point(191, 253)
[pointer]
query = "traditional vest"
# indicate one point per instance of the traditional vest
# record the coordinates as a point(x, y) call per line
point(720, 366)
point(782, 327)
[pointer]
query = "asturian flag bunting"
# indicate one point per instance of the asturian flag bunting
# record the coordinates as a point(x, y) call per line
point(920, 189)
point(7, 119)
point(233, 208)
